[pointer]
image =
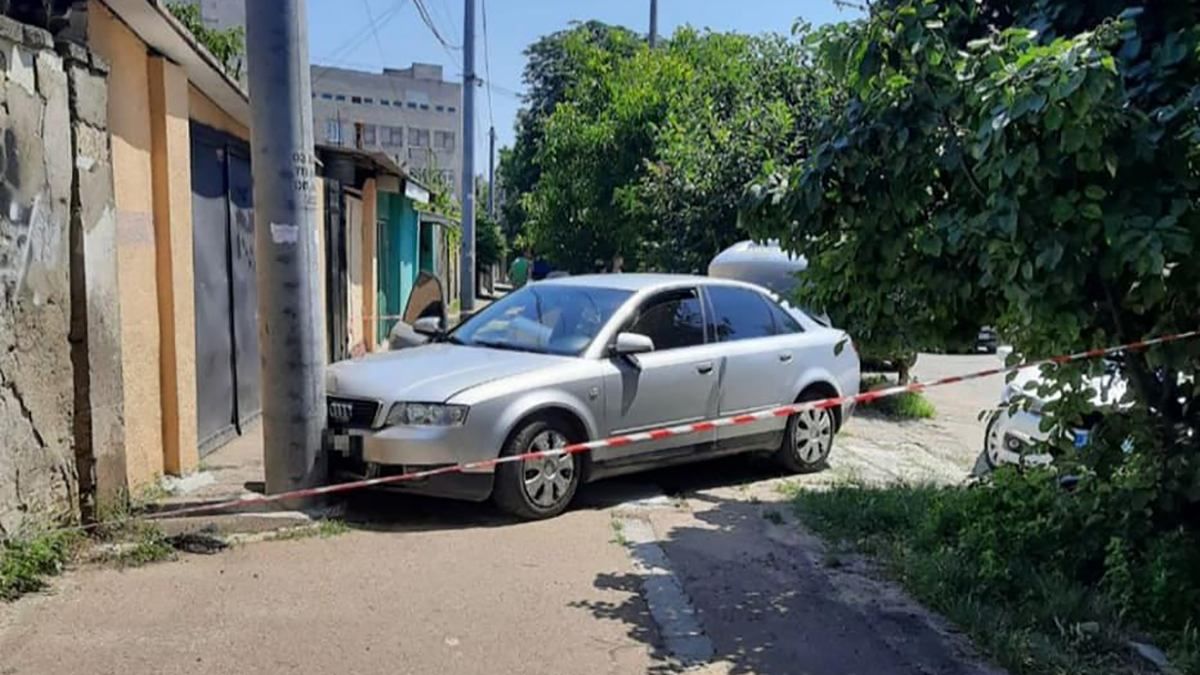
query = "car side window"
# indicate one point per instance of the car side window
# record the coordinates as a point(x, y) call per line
point(672, 320)
point(740, 314)
point(785, 323)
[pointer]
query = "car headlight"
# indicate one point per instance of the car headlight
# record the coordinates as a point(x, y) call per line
point(427, 414)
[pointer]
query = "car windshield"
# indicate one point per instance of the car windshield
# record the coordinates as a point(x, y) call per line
point(544, 318)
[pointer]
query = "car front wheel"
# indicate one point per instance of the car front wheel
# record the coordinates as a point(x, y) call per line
point(808, 439)
point(537, 488)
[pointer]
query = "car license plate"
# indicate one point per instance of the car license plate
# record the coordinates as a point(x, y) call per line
point(341, 443)
point(1081, 437)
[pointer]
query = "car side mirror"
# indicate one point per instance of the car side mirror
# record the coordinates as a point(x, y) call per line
point(430, 326)
point(630, 344)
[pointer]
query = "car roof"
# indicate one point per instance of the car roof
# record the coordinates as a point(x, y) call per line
point(639, 281)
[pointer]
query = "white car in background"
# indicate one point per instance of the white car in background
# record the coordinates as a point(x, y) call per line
point(1014, 437)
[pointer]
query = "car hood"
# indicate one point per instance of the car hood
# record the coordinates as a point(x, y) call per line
point(429, 373)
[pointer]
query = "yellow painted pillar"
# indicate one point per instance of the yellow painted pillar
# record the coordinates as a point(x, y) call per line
point(370, 205)
point(137, 278)
point(171, 159)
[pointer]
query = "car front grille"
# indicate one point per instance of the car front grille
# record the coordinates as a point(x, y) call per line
point(351, 413)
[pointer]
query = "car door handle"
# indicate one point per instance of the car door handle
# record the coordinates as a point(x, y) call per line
point(704, 368)
point(786, 357)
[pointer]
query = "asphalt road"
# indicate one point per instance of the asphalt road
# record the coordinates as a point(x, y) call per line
point(424, 586)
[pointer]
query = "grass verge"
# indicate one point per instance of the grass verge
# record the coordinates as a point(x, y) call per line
point(1010, 567)
point(906, 406)
point(26, 562)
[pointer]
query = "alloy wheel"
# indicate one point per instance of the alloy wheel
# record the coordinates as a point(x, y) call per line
point(812, 435)
point(547, 480)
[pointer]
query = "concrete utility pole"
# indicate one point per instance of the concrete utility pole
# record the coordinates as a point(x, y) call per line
point(285, 222)
point(492, 173)
point(468, 165)
point(653, 23)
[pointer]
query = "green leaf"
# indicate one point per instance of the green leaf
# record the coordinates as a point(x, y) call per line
point(1054, 118)
point(1110, 162)
point(1095, 192)
point(936, 24)
point(1091, 210)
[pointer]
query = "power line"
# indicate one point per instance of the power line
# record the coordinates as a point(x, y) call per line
point(356, 39)
point(487, 65)
point(379, 46)
point(427, 19)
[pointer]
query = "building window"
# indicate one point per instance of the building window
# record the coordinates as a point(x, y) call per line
point(412, 104)
point(356, 99)
point(393, 137)
point(418, 138)
point(366, 135)
point(384, 101)
point(368, 100)
point(333, 131)
point(441, 108)
point(424, 106)
point(398, 103)
point(452, 109)
point(327, 96)
point(443, 140)
point(340, 97)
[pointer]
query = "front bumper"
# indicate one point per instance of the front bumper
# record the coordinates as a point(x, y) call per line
point(1012, 438)
point(349, 462)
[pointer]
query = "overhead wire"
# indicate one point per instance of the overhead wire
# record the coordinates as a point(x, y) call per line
point(355, 40)
point(487, 66)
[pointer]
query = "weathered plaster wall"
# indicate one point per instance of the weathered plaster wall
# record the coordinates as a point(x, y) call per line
point(37, 467)
point(129, 128)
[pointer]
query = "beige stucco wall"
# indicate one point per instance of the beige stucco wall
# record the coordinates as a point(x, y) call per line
point(203, 110)
point(137, 274)
point(172, 179)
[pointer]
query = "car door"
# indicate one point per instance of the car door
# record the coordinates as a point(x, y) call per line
point(762, 360)
point(674, 384)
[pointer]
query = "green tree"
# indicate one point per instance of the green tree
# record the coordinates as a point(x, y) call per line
point(551, 70)
point(227, 45)
point(647, 155)
point(1032, 164)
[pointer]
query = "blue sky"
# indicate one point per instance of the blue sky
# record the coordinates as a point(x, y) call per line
point(339, 34)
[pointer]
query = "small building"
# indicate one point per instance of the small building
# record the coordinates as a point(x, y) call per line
point(410, 114)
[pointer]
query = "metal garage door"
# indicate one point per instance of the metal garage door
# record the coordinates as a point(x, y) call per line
point(228, 387)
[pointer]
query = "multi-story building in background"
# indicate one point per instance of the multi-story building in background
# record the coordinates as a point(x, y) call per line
point(411, 114)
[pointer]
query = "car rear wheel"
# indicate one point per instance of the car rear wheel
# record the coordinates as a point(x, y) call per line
point(537, 488)
point(807, 439)
point(993, 442)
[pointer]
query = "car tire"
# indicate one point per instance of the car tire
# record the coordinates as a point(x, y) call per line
point(808, 438)
point(537, 489)
point(992, 428)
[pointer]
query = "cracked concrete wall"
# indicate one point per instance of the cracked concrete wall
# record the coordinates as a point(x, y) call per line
point(95, 296)
point(38, 478)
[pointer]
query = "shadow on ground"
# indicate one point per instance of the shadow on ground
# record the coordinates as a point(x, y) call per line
point(772, 602)
point(395, 511)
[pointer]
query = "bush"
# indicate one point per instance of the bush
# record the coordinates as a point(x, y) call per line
point(26, 562)
point(906, 406)
point(1044, 579)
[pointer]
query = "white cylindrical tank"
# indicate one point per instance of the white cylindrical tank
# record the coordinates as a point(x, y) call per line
point(764, 264)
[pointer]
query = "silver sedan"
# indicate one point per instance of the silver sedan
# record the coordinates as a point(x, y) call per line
point(582, 358)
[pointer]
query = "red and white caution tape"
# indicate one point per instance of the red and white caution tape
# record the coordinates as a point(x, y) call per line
point(669, 432)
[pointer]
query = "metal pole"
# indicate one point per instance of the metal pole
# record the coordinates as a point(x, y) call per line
point(653, 23)
point(468, 169)
point(492, 173)
point(285, 222)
